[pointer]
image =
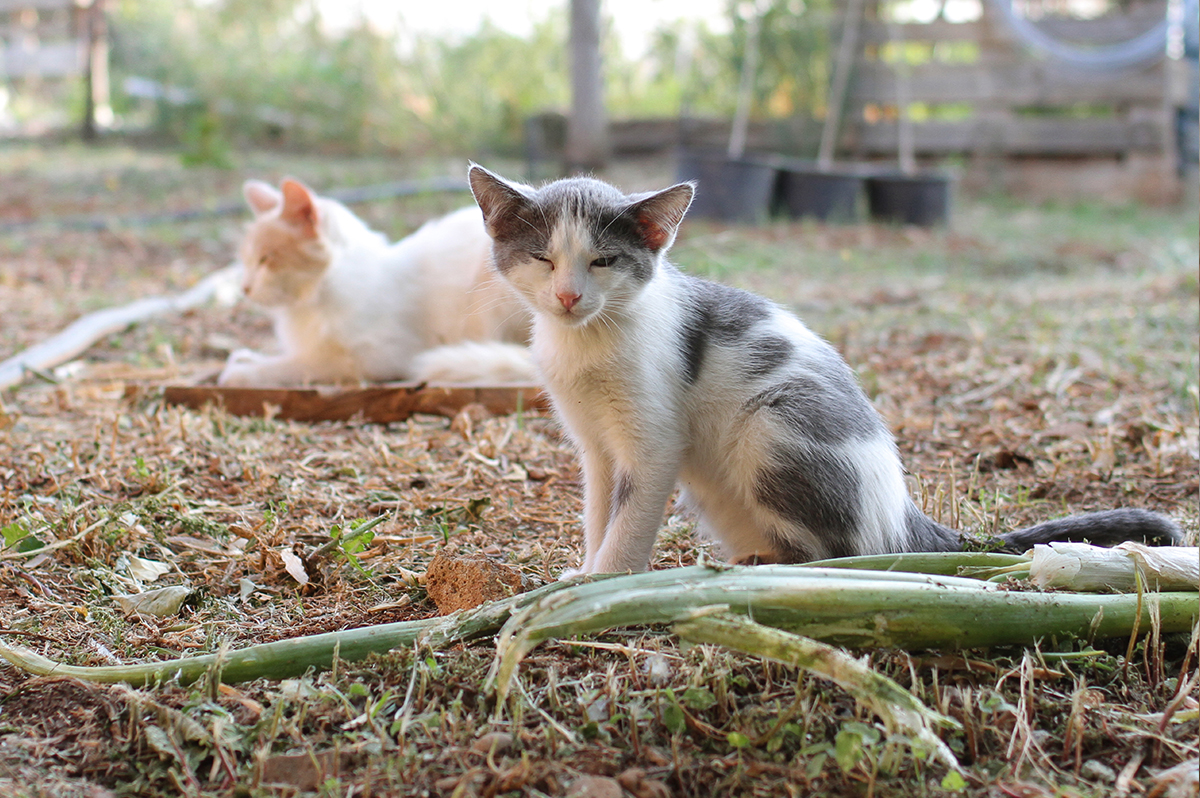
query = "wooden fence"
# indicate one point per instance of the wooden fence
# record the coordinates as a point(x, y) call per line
point(1021, 121)
point(50, 42)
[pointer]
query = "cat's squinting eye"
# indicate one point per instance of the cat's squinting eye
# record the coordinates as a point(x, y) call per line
point(601, 262)
point(544, 260)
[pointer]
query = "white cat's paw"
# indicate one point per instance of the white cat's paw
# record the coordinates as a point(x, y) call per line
point(243, 369)
point(571, 573)
point(234, 377)
point(243, 357)
point(238, 375)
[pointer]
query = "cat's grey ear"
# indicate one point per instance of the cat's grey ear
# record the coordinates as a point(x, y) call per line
point(658, 216)
point(500, 200)
point(261, 197)
point(299, 206)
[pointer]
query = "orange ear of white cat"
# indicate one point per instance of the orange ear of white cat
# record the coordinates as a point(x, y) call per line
point(261, 197)
point(299, 206)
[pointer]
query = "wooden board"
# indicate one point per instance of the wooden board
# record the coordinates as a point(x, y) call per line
point(378, 404)
point(1012, 82)
point(1024, 136)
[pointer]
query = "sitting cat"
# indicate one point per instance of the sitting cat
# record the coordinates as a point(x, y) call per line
point(349, 306)
point(661, 379)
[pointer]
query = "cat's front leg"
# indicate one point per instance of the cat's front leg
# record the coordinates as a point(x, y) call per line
point(597, 493)
point(638, 500)
point(240, 368)
point(248, 369)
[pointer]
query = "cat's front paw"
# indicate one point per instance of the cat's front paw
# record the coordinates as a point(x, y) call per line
point(241, 369)
point(571, 573)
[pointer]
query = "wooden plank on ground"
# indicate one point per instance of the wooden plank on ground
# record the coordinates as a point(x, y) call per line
point(377, 404)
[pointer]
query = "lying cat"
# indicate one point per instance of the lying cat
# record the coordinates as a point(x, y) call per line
point(349, 306)
point(662, 379)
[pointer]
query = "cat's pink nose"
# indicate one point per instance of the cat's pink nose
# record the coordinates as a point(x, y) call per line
point(568, 299)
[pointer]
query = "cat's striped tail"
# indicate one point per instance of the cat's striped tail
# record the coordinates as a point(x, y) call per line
point(1103, 528)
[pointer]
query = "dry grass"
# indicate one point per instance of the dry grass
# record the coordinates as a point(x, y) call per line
point(1033, 362)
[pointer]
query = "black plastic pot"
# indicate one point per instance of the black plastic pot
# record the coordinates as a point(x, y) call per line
point(804, 190)
point(920, 199)
point(728, 189)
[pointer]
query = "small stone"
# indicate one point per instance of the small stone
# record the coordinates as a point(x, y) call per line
point(595, 787)
point(496, 743)
point(636, 781)
point(447, 783)
point(462, 581)
point(1095, 770)
point(655, 757)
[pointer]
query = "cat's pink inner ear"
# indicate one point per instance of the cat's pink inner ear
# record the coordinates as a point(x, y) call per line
point(499, 200)
point(490, 191)
point(299, 207)
point(261, 197)
point(659, 216)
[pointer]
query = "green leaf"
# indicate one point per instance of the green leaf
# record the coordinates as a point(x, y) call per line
point(848, 749)
point(698, 699)
point(738, 740)
point(869, 734)
point(17, 535)
point(954, 782)
point(673, 715)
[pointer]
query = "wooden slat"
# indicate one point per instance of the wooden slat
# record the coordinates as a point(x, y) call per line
point(1027, 82)
point(876, 32)
point(53, 60)
point(1015, 136)
point(380, 404)
point(1103, 30)
point(11, 6)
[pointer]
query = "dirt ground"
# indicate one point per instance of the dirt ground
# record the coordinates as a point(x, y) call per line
point(1033, 362)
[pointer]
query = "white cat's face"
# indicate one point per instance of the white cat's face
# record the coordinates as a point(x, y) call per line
point(283, 253)
point(578, 249)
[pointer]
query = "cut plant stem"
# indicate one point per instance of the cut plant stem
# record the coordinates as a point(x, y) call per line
point(847, 607)
point(898, 708)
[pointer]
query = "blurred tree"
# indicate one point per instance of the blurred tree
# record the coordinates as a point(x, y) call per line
point(587, 139)
point(235, 73)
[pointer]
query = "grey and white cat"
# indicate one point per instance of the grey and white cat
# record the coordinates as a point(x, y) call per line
point(662, 379)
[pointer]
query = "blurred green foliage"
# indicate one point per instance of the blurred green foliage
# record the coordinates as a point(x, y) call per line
point(226, 73)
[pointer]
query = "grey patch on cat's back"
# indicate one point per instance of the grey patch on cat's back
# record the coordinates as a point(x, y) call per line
point(816, 490)
point(766, 354)
point(822, 408)
point(715, 313)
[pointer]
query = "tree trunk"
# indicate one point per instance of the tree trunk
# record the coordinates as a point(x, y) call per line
point(95, 77)
point(587, 126)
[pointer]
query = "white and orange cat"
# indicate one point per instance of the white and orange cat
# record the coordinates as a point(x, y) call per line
point(349, 306)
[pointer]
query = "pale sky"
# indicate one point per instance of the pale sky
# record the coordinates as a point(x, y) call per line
point(634, 20)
